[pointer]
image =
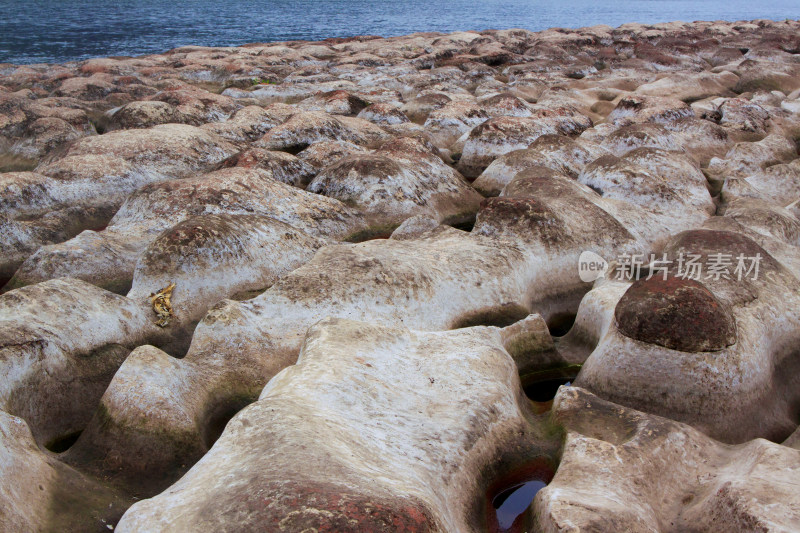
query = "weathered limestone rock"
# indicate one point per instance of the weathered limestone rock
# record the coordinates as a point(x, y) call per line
point(673, 201)
point(249, 123)
point(403, 178)
point(419, 108)
point(764, 217)
point(45, 135)
point(107, 258)
point(701, 139)
point(359, 281)
point(183, 149)
point(653, 130)
point(627, 138)
point(83, 189)
point(689, 88)
point(62, 342)
point(292, 90)
point(734, 383)
point(656, 56)
point(725, 55)
point(564, 112)
point(778, 183)
point(638, 109)
point(506, 105)
point(306, 128)
point(280, 166)
point(530, 246)
point(740, 114)
point(496, 137)
point(212, 257)
point(676, 313)
point(39, 493)
point(746, 158)
point(25, 121)
point(557, 152)
point(792, 105)
point(95, 87)
point(449, 122)
point(144, 114)
point(37, 210)
point(768, 99)
point(179, 103)
point(625, 470)
point(544, 209)
point(414, 227)
point(381, 114)
point(770, 75)
point(324, 153)
point(313, 452)
point(679, 171)
point(334, 103)
point(772, 228)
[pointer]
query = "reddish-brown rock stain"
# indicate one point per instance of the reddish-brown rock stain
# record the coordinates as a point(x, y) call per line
point(677, 313)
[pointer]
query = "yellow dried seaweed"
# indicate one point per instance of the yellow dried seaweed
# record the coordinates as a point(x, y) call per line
point(162, 305)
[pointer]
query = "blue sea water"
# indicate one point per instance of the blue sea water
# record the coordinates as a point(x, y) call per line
point(35, 31)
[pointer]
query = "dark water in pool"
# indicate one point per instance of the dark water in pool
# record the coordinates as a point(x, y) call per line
point(513, 502)
point(34, 31)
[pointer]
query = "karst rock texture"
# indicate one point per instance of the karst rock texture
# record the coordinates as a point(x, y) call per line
point(626, 470)
point(335, 286)
point(393, 455)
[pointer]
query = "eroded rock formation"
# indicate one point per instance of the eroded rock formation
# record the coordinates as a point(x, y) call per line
point(372, 250)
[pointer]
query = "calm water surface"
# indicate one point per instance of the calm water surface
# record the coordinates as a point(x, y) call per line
point(33, 31)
